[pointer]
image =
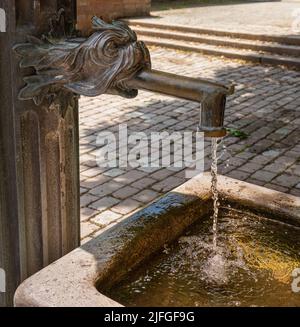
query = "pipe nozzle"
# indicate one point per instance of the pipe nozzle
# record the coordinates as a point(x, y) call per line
point(211, 96)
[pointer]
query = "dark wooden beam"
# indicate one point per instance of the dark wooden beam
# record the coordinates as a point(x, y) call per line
point(39, 166)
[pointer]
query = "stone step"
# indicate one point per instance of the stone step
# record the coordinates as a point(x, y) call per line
point(224, 41)
point(280, 39)
point(226, 52)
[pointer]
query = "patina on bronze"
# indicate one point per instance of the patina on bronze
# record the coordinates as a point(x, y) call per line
point(211, 95)
point(91, 67)
point(112, 61)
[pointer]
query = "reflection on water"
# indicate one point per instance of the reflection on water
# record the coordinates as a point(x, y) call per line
point(251, 266)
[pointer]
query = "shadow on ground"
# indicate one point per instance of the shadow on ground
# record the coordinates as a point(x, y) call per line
point(264, 108)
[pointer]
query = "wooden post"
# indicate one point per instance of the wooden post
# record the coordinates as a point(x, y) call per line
point(39, 155)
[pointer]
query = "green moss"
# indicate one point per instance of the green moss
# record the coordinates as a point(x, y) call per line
point(236, 133)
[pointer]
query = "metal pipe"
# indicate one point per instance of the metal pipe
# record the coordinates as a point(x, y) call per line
point(211, 95)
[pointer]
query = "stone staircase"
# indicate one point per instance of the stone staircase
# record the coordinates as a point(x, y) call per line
point(257, 48)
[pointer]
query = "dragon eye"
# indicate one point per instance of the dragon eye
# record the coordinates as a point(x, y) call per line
point(111, 48)
point(112, 45)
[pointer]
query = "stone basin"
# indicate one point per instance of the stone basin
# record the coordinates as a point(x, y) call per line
point(75, 279)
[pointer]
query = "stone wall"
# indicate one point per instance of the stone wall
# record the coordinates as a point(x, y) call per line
point(108, 10)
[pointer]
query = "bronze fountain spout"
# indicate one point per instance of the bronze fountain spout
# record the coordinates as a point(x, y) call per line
point(112, 61)
point(211, 96)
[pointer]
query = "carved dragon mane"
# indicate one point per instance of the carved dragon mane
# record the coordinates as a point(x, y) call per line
point(99, 64)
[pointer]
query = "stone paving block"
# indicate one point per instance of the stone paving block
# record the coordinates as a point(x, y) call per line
point(276, 187)
point(261, 160)
point(104, 203)
point(285, 160)
point(143, 183)
point(255, 181)
point(275, 168)
point(105, 218)
point(238, 174)
point(92, 182)
point(92, 172)
point(245, 155)
point(250, 167)
point(86, 229)
point(114, 172)
point(106, 188)
point(236, 162)
point(273, 153)
point(86, 148)
point(236, 148)
point(294, 170)
point(86, 199)
point(223, 169)
point(82, 168)
point(125, 192)
point(161, 174)
point(264, 176)
point(295, 192)
point(87, 213)
point(286, 180)
point(149, 170)
point(127, 206)
point(167, 184)
point(146, 196)
point(88, 160)
point(83, 190)
point(130, 177)
point(293, 154)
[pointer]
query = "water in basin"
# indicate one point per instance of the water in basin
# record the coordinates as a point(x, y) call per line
point(251, 266)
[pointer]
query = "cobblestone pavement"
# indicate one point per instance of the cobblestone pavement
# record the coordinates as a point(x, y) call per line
point(265, 106)
point(261, 18)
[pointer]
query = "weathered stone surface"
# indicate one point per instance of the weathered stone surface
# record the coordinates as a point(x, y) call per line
point(74, 280)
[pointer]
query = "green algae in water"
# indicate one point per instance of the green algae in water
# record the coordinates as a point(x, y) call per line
point(251, 266)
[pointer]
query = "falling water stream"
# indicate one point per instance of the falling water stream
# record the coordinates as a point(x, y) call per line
point(214, 188)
